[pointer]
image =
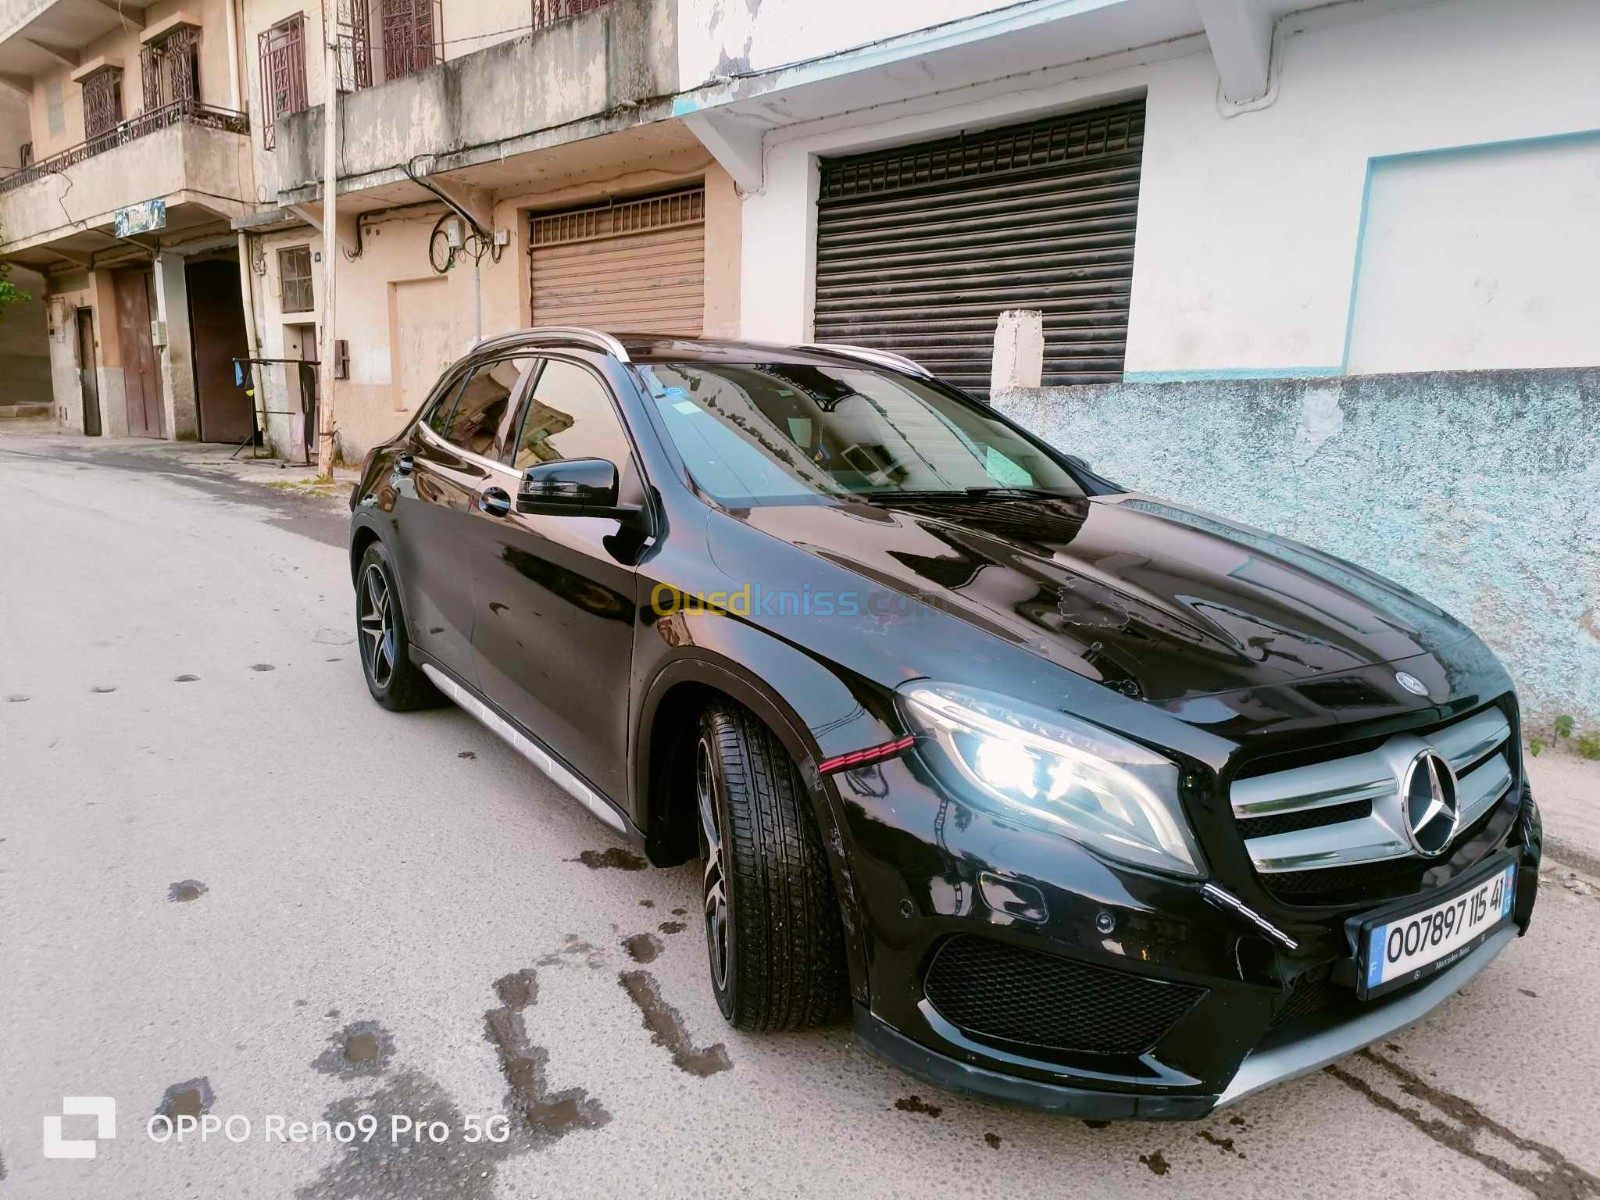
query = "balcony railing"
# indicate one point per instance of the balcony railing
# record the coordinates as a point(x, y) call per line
point(551, 12)
point(128, 130)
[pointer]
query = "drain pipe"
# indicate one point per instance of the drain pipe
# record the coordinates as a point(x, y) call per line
point(486, 236)
point(422, 182)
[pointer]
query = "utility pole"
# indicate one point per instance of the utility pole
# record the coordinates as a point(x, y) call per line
point(330, 235)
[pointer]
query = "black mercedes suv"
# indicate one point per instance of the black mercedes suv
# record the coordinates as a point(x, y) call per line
point(1076, 797)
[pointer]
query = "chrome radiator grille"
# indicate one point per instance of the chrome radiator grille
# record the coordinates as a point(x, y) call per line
point(1349, 810)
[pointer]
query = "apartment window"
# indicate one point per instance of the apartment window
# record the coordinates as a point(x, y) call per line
point(102, 102)
point(25, 156)
point(294, 279)
point(283, 74)
point(55, 107)
point(171, 68)
point(410, 36)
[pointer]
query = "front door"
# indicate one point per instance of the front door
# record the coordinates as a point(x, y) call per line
point(141, 374)
point(300, 342)
point(451, 463)
point(88, 376)
point(555, 606)
point(216, 323)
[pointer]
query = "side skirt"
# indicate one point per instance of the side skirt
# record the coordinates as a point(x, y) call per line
point(528, 748)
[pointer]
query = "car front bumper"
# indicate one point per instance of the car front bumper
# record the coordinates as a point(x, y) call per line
point(1241, 1034)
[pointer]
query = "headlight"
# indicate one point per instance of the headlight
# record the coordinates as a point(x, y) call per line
point(1111, 794)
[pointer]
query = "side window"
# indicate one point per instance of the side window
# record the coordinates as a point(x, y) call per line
point(444, 404)
point(471, 412)
point(482, 406)
point(568, 415)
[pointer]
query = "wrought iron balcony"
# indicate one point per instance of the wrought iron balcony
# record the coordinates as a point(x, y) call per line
point(127, 130)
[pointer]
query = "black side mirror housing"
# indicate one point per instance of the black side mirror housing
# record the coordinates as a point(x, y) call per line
point(1093, 482)
point(574, 487)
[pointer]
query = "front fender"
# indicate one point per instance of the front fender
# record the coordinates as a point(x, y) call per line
point(817, 714)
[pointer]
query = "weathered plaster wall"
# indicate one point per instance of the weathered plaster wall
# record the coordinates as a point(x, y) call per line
point(179, 398)
point(68, 294)
point(405, 323)
point(181, 163)
point(728, 37)
point(124, 44)
point(608, 59)
point(1480, 491)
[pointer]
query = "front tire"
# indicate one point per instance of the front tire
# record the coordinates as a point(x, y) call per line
point(394, 680)
point(773, 934)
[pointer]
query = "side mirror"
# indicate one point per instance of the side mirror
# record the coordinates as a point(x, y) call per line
point(1093, 482)
point(575, 487)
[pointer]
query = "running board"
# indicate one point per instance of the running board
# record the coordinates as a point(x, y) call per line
point(537, 755)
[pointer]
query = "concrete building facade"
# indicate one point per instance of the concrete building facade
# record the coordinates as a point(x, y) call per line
point(511, 171)
point(136, 162)
point(1321, 228)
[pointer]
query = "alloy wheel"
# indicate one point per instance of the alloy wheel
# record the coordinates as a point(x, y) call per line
point(711, 853)
point(376, 621)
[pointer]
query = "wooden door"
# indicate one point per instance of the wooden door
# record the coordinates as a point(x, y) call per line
point(88, 376)
point(216, 326)
point(140, 372)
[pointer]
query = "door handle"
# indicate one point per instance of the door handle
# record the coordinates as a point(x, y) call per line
point(494, 501)
point(402, 463)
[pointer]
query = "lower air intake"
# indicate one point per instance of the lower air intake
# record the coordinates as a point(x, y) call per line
point(998, 991)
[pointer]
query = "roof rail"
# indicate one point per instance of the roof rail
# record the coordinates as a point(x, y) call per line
point(883, 358)
point(563, 335)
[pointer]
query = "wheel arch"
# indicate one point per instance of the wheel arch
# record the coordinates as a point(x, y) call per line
point(815, 715)
point(362, 534)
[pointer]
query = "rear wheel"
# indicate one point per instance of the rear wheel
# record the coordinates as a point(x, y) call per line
point(393, 679)
point(773, 934)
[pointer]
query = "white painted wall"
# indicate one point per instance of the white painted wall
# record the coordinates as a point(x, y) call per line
point(1481, 259)
point(1249, 225)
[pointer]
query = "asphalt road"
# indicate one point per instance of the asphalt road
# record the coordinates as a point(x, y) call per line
point(230, 881)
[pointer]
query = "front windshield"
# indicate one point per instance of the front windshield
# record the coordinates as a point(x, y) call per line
point(781, 433)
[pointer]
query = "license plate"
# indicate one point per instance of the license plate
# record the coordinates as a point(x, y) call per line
point(1402, 949)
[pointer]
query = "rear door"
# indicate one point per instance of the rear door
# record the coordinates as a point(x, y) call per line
point(556, 594)
point(452, 462)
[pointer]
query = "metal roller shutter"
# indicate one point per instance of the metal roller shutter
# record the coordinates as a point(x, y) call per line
point(921, 247)
point(635, 266)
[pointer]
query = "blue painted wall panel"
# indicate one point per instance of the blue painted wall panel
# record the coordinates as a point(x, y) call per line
point(1480, 490)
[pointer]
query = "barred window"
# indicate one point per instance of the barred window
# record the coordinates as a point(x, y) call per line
point(294, 279)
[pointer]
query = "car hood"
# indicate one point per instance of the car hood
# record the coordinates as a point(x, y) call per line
point(1152, 600)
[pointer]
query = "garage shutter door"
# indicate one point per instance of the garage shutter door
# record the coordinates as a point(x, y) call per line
point(636, 266)
point(920, 248)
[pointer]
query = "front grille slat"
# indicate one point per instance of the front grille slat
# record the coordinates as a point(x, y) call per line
point(1336, 823)
point(1290, 822)
point(997, 991)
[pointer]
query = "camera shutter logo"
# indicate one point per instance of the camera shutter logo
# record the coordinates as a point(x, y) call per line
point(1429, 797)
point(102, 1108)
